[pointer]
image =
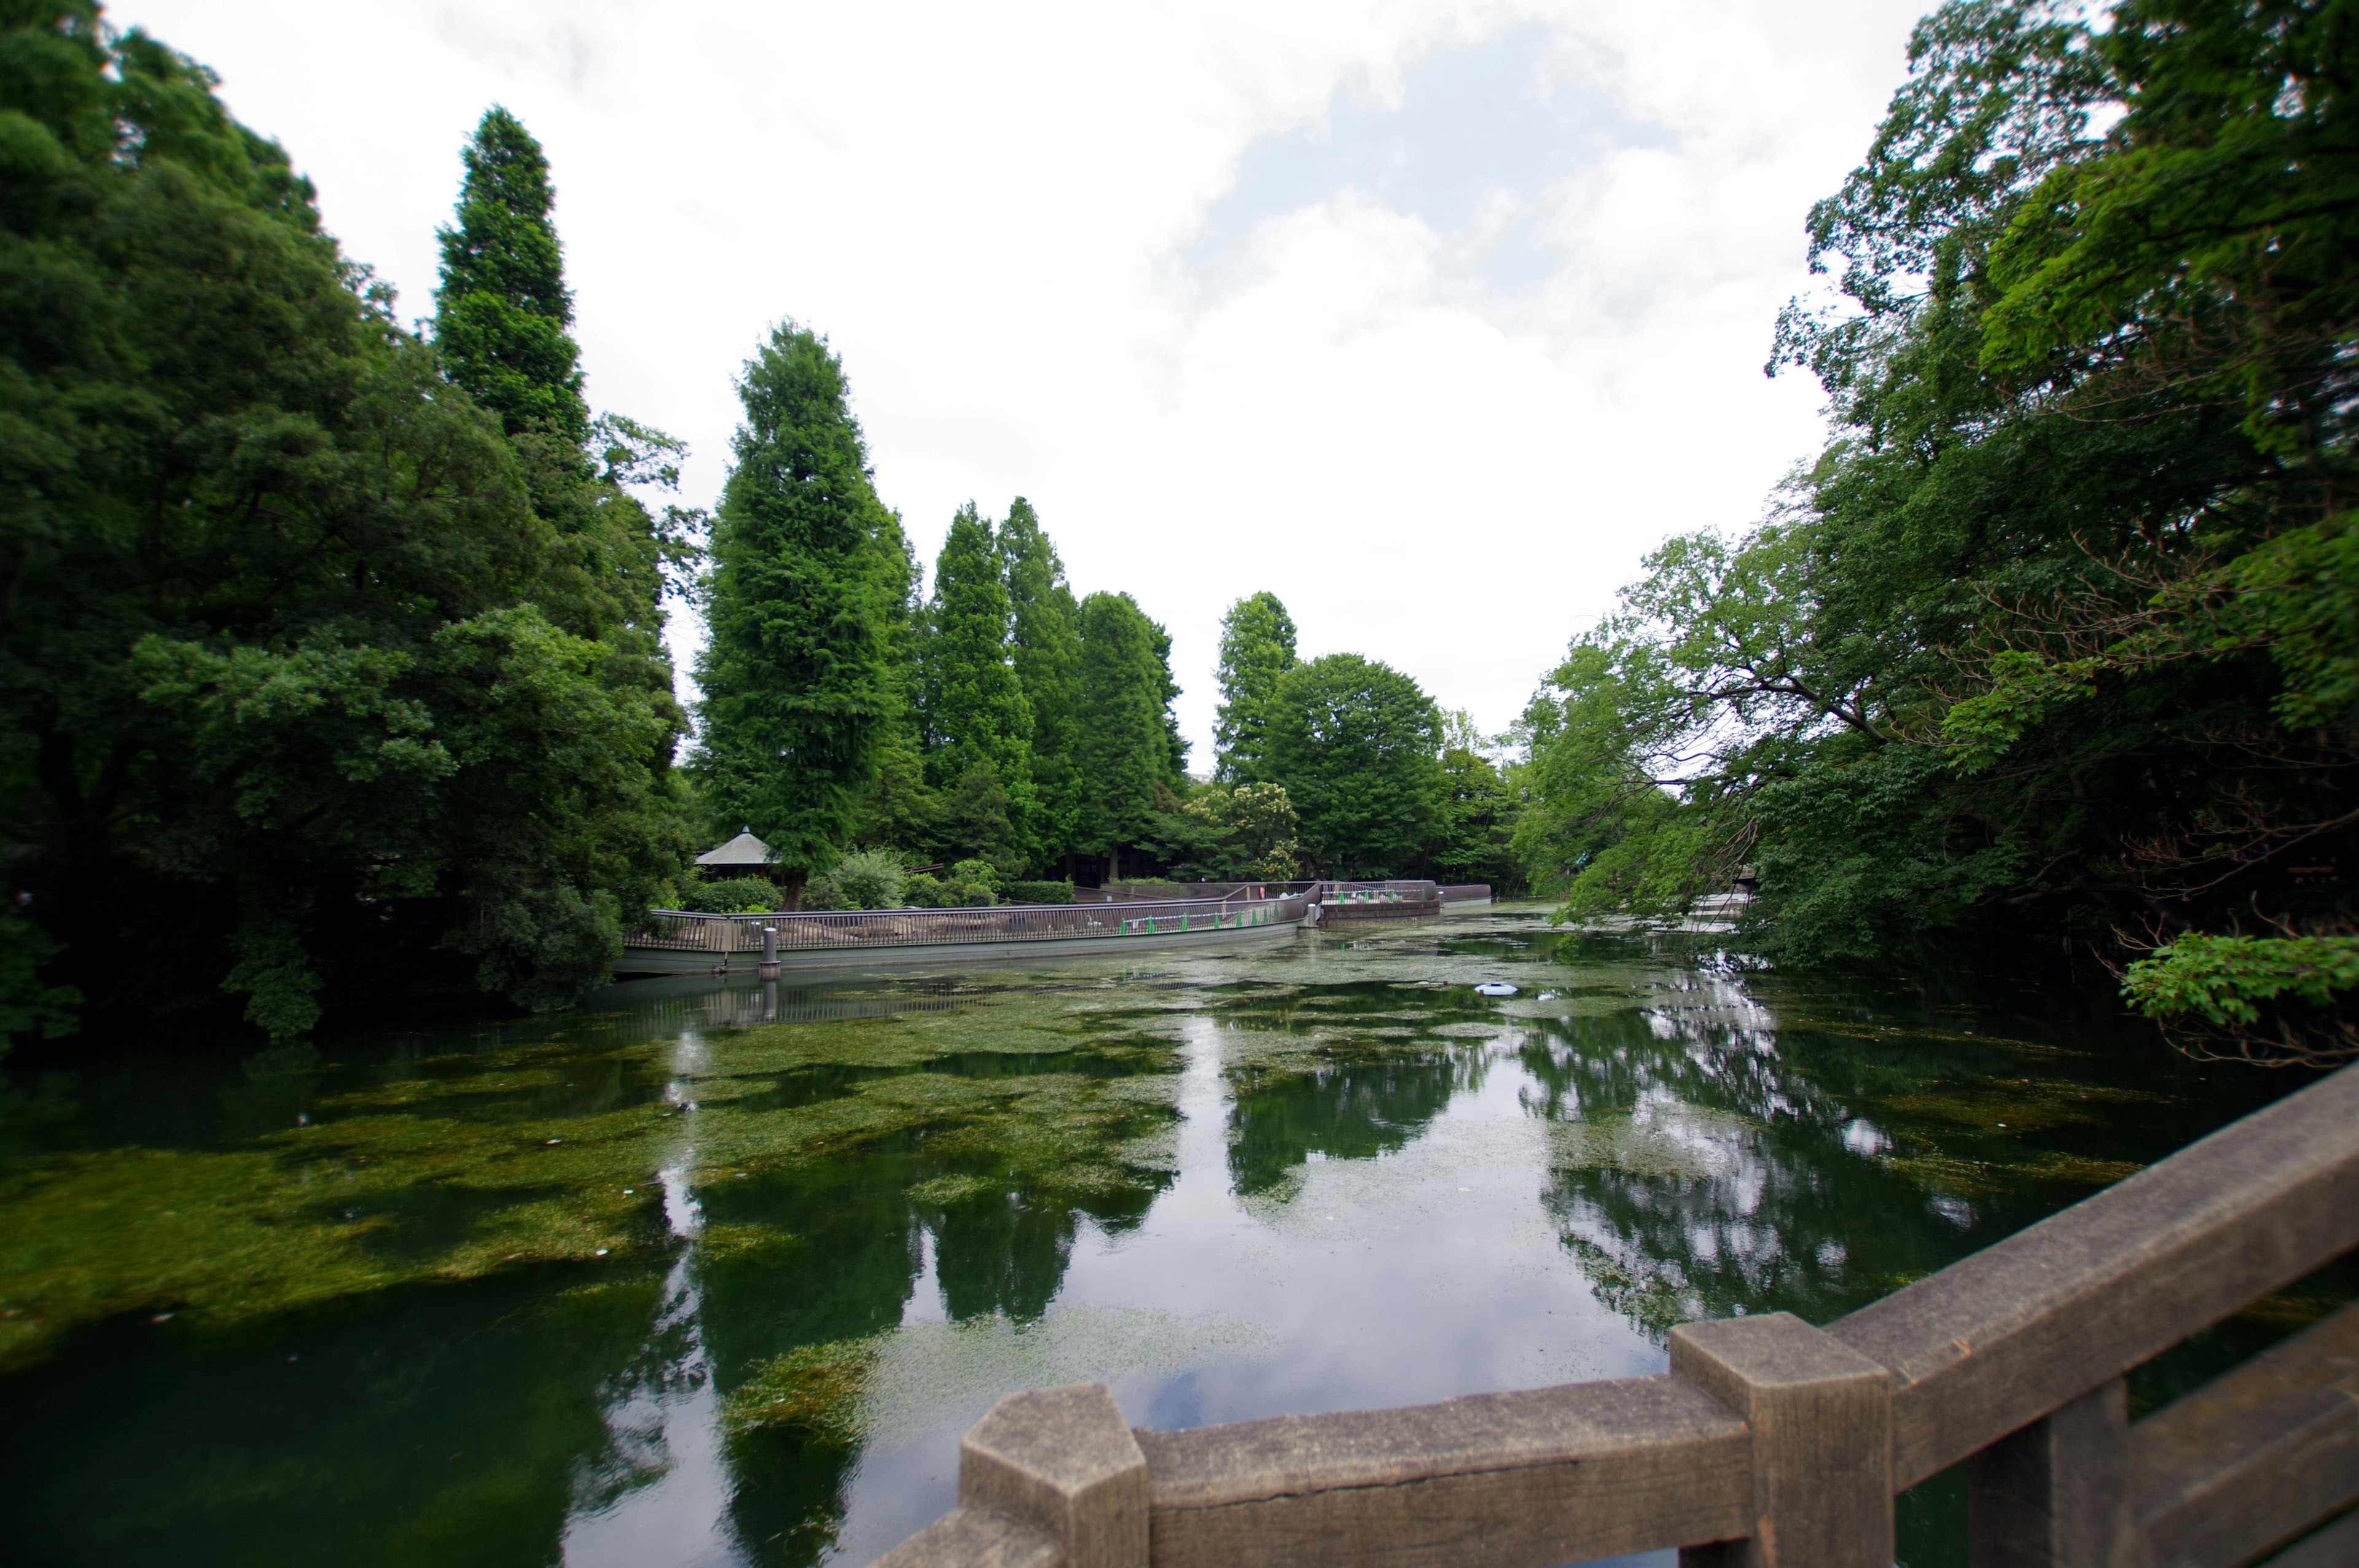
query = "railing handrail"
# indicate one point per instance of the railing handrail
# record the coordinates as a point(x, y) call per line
point(1769, 1430)
point(851, 930)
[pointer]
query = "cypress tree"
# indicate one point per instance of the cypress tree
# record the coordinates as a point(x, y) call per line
point(798, 689)
point(1047, 653)
point(983, 719)
point(1256, 647)
point(503, 311)
point(1123, 753)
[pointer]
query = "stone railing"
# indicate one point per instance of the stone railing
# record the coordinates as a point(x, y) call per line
point(1771, 1442)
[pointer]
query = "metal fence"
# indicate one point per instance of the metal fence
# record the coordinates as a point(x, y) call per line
point(683, 931)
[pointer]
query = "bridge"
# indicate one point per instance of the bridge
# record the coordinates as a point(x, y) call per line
point(1772, 1442)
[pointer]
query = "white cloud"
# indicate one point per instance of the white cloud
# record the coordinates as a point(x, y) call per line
point(1429, 317)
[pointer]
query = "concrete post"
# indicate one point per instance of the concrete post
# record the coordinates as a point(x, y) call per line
point(1063, 1461)
point(2056, 1493)
point(769, 950)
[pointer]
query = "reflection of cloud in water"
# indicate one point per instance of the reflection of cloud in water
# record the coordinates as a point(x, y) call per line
point(660, 1493)
point(924, 1366)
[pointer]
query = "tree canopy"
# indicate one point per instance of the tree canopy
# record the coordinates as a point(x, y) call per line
point(1356, 744)
point(286, 712)
point(798, 693)
point(504, 310)
point(2053, 648)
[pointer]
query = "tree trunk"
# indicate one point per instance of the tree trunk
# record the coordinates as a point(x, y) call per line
point(791, 888)
point(1113, 865)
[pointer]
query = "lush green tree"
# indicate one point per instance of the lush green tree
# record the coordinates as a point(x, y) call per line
point(504, 310)
point(981, 714)
point(1046, 648)
point(2054, 645)
point(1235, 833)
point(1123, 753)
point(800, 695)
point(1256, 648)
point(284, 714)
point(1475, 827)
point(1355, 745)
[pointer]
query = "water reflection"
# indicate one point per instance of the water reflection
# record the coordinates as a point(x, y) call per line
point(716, 1274)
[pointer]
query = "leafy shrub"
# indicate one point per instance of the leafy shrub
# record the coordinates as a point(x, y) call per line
point(1039, 893)
point(737, 895)
point(975, 873)
point(920, 891)
point(823, 893)
point(869, 878)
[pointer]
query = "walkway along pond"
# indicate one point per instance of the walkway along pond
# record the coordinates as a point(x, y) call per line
point(716, 1271)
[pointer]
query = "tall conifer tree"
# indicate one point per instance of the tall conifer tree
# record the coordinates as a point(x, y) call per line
point(1124, 750)
point(1047, 653)
point(979, 709)
point(502, 310)
point(798, 691)
point(1256, 647)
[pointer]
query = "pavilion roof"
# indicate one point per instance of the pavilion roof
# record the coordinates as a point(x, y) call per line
point(742, 851)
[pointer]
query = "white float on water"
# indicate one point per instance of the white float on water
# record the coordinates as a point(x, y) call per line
point(1494, 988)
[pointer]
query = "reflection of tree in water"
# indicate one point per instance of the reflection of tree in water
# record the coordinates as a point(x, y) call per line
point(1346, 1110)
point(461, 1424)
point(1699, 1173)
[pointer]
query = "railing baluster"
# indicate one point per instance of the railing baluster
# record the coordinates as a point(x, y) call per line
point(2055, 1494)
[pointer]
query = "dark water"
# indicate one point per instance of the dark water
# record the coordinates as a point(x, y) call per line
point(707, 1275)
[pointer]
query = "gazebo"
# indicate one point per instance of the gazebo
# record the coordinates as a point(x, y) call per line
point(740, 856)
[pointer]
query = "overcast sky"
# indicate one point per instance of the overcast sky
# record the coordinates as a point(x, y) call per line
point(1430, 318)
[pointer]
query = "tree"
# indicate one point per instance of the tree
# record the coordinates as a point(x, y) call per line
point(1474, 828)
point(799, 692)
point(1256, 648)
point(980, 710)
point(1046, 649)
point(283, 713)
point(1123, 753)
point(2054, 648)
point(504, 308)
point(1353, 743)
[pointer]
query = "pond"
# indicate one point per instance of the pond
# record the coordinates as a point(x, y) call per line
point(715, 1272)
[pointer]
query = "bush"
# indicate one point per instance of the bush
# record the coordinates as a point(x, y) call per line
point(821, 892)
point(919, 890)
point(975, 873)
point(735, 895)
point(1039, 893)
point(869, 878)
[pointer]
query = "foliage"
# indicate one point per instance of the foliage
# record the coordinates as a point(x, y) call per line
point(921, 890)
point(869, 878)
point(502, 310)
point(1122, 754)
point(799, 698)
point(2054, 643)
point(979, 714)
point(302, 697)
point(1474, 832)
point(1045, 648)
point(739, 895)
point(975, 820)
point(31, 1006)
point(1353, 743)
point(1038, 893)
point(1236, 833)
point(1256, 648)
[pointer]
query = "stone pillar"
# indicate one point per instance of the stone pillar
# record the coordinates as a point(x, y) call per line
point(1063, 1461)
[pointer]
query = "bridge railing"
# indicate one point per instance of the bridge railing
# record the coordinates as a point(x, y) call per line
point(673, 930)
point(1772, 1442)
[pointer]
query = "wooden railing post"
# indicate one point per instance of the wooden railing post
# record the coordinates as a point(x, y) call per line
point(2056, 1493)
point(1821, 1419)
